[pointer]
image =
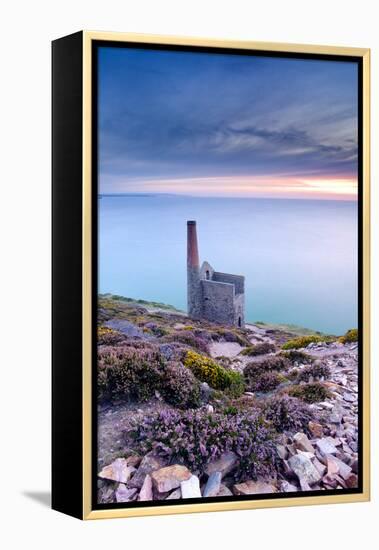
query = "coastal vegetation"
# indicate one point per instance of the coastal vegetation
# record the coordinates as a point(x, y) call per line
point(224, 405)
point(304, 341)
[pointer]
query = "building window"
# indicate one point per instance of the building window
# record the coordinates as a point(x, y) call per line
point(207, 274)
point(239, 322)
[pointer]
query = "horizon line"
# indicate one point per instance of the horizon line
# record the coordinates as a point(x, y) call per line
point(350, 198)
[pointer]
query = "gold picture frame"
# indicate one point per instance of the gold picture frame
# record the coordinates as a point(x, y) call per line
point(84, 509)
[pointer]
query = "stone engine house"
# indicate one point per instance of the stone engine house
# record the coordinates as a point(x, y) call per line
point(212, 295)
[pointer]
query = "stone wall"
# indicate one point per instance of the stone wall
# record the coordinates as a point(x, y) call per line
point(239, 310)
point(237, 280)
point(194, 293)
point(218, 302)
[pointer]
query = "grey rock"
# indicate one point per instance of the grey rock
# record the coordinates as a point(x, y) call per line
point(304, 469)
point(287, 487)
point(326, 405)
point(126, 327)
point(326, 447)
point(117, 471)
point(148, 464)
point(205, 391)
point(212, 486)
point(224, 491)
point(302, 443)
point(146, 492)
point(304, 485)
point(354, 465)
point(225, 464)
point(175, 494)
point(319, 466)
point(282, 452)
point(335, 416)
point(191, 487)
point(349, 397)
point(123, 494)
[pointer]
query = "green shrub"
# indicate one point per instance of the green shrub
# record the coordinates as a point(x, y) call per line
point(258, 349)
point(196, 438)
point(108, 336)
point(207, 370)
point(129, 373)
point(263, 376)
point(350, 336)
point(287, 413)
point(188, 338)
point(265, 382)
point(297, 356)
point(304, 341)
point(310, 393)
point(179, 386)
point(316, 371)
point(272, 363)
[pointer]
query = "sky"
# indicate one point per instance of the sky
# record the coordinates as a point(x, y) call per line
point(226, 125)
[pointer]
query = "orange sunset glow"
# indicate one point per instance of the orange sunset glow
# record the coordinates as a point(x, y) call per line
point(281, 187)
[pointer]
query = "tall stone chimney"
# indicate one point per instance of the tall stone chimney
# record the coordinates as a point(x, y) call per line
point(193, 273)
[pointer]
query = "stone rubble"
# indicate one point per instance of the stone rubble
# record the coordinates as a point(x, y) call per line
point(326, 457)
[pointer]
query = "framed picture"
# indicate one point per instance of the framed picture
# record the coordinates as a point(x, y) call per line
point(210, 275)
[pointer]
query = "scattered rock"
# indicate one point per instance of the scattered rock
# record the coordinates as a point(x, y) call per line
point(133, 460)
point(344, 470)
point(123, 494)
point(335, 416)
point(191, 487)
point(205, 391)
point(175, 494)
point(355, 465)
point(326, 405)
point(117, 471)
point(302, 443)
point(225, 464)
point(319, 466)
point(352, 481)
point(316, 429)
point(124, 326)
point(326, 447)
point(224, 491)
point(304, 469)
point(349, 397)
point(146, 492)
point(253, 488)
point(170, 477)
point(304, 485)
point(287, 487)
point(282, 452)
point(212, 487)
point(148, 464)
point(332, 465)
point(330, 481)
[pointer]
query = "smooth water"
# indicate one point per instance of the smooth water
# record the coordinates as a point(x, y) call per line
point(299, 257)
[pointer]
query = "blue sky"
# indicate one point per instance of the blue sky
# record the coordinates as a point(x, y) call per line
point(212, 124)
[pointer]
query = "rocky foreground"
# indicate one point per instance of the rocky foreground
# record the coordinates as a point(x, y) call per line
point(277, 414)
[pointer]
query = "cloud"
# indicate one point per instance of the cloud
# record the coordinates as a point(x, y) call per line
point(167, 116)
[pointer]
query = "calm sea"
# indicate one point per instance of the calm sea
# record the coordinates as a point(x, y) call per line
point(299, 257)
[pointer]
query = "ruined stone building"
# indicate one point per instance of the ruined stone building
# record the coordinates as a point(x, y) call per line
point(212, 295)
